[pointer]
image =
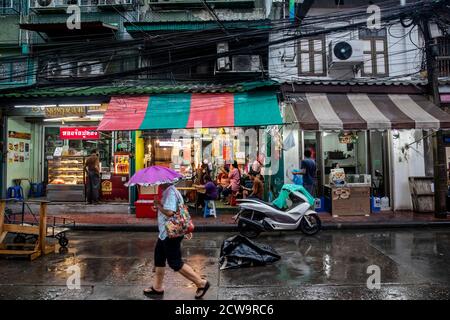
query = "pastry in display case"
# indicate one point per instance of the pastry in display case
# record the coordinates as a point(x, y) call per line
point(66, 178)
point(66, 170)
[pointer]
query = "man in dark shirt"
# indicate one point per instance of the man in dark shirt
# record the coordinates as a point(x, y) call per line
point(308, 169)
point(92, 167)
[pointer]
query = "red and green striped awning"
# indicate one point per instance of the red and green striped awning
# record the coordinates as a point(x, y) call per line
point(191, 110)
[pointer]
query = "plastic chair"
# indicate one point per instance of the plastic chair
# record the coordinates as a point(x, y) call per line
point(15, 192)
point(209, 212)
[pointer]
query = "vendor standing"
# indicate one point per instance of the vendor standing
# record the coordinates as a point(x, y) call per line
point(308, 170)
point(92, 167)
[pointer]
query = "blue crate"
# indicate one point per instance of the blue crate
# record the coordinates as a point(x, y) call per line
point(375, 204)
point(320, 205)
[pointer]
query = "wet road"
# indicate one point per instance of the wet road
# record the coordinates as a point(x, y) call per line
point(414, 264)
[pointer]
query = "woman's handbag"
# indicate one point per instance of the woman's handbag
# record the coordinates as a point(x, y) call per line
point(180, 224)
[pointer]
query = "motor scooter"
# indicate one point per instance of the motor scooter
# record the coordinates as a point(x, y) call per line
point(291, 210)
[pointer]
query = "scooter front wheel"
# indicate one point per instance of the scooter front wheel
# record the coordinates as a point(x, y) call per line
point(247, 230)
point(313, 226)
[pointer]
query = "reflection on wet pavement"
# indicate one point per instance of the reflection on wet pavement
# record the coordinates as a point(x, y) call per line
point(332, 265)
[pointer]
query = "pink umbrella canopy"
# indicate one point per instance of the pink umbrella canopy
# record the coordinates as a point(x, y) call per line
point(154, 175)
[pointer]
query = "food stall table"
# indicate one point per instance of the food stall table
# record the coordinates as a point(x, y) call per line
point(196, 189)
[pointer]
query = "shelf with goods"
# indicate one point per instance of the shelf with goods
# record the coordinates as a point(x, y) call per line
point(122, 163)
point(66, 178)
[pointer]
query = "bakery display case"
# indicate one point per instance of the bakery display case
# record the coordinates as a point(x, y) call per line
point(66, 178)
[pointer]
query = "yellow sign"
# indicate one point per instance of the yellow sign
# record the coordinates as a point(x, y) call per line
point(106, 187)
point(76, 111)
point(64, 111)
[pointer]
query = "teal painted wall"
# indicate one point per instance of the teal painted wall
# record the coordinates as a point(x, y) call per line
point(10, 29)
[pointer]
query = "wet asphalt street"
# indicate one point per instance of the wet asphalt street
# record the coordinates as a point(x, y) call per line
point(414, 264)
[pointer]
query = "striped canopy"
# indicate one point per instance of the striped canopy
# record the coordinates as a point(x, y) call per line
point(186, 110)
point(317, 111)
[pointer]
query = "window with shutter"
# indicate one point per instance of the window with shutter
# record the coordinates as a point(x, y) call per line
point(312, 57)
point(375, 53)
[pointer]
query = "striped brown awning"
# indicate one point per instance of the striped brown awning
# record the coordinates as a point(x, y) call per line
point(317, 111)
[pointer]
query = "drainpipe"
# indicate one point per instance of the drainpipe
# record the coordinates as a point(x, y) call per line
point(132, 190)
point(3, 157)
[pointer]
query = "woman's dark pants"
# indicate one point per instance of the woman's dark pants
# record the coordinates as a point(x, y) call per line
point(169, 250)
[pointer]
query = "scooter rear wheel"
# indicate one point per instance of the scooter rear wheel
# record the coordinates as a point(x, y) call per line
point(247, 230)
point(315, 226)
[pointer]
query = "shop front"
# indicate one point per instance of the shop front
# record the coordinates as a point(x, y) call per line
point(192, 132)
point(365, 146)
point(61, 137)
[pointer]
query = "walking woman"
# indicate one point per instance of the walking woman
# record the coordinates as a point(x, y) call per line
point(169, 249)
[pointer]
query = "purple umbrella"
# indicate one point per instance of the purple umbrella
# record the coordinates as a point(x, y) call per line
point(154, 175)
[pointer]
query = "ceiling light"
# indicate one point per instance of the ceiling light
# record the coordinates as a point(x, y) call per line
point(81, 105)
point(36, 106)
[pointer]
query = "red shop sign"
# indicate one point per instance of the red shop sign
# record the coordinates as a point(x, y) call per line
point(78, 133)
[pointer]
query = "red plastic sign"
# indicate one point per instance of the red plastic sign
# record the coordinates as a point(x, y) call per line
point(78, 133)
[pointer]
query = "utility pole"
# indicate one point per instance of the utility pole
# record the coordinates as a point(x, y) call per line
point(439, 157)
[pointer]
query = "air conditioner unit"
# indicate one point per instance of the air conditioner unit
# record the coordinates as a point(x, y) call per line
point(223, 63)
point(55, 69)
point(246, 63)
point(89, 68)
point(343, 53)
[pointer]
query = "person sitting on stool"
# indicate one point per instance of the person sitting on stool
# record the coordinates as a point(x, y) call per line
point(210, 191)
point(257, 191)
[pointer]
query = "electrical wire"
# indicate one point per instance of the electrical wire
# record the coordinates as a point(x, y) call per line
point(190, 44)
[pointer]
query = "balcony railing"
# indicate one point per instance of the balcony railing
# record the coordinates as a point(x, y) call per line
point(116, 4)
point(58, 5)
point(13, 72)
point(9, 7)
point(178, 4)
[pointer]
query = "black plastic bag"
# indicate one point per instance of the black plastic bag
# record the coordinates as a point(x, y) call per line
point(239, 251)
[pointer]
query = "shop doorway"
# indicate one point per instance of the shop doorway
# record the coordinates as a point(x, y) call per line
point(378, 149)
point(358, 153)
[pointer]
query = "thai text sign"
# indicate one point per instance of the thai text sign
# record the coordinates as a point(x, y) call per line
point(78, 133)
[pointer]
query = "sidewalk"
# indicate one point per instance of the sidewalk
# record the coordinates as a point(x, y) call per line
point(115, 217)
point(225, 222)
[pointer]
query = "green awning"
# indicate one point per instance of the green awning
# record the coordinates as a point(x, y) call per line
point(185, 110)
point(195, 25)
point(66, 91)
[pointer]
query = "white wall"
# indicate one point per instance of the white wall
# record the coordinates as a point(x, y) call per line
point(403, 168)
point(291, 156)
point(404, 57)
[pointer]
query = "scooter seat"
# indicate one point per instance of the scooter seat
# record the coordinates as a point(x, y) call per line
point(263, 202)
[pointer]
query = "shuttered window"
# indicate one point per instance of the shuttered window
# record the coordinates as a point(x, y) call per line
point(312, 57)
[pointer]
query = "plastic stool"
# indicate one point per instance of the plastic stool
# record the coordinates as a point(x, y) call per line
point(209, 212)
point(233, 198)
point(15, 192)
